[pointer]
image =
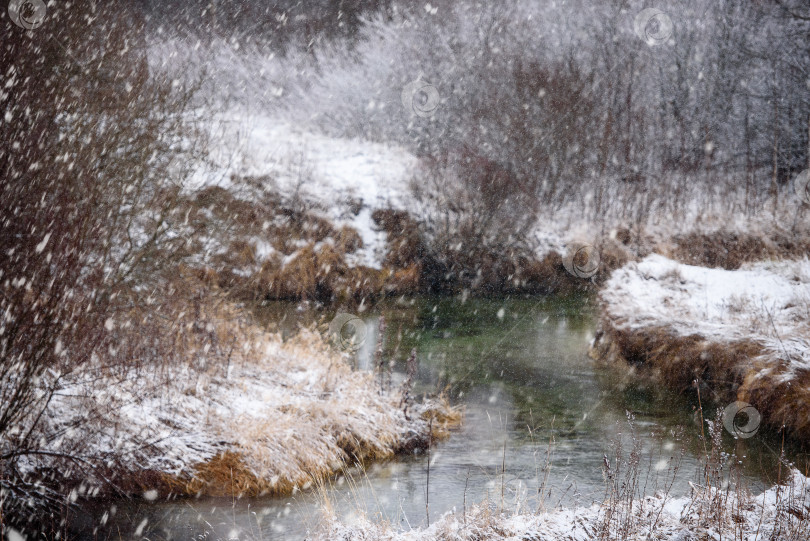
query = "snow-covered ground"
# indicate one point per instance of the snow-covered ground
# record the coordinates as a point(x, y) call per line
point(779, 513)
point(345, 178)
point(766, 302)
point(290, 412)
point(740, 335)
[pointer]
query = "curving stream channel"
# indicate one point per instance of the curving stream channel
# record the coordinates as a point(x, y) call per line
point(540, 417)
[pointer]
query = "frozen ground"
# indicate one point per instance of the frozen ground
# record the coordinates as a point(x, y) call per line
point(289, 411)
point(346, 178)
point(778, 514)
point(766, 302)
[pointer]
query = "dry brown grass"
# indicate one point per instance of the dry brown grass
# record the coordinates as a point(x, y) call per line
point(267, 417)
point(205, 402)
point(737, 335)
point(729, 250)
point(316, 263)
point(660, 354)
point(315, 415)
point(781, 401)
point(548, 276)
point(741, 370)
point(317, 273)
point(348, 240)
point(298, 277)
point(442, 417)
point(308, 257)
point(402, 281)
point(405, 245)
point(224, 475)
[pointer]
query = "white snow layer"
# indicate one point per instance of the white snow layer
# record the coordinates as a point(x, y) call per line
point(328, 172)
point(283, 412)
point(780, 513)
point(765, 302)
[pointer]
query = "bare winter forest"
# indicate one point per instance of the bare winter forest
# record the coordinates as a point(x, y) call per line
point(381, 269)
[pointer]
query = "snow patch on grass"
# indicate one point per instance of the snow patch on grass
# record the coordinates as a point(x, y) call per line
point(767, 302)
point(779, 513)
point(293, 413)
point(742, 333)
point(331, 173)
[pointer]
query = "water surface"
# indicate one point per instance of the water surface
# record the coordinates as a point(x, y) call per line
point(540, 419)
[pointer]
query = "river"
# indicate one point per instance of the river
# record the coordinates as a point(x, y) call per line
point(540, 418)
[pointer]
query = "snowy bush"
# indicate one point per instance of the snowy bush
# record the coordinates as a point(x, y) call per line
point(92, 228)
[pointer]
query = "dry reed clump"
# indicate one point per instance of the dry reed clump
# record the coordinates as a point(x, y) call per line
point(441, 417)
point(125, 421)
point(189, 397)
point(405, 244)
point(781, 397)
point(549, 276)
point(317, 272)
point(403, 281)
point(223, 475)
point(265, 245)
point(729, 250)
point(297, 278)
point(404, 262)
point(348, 240)
point(744, 370)
point(302, 415)
point(738, 335)
point(612, 255)
point(277, 248)
point(662, 355)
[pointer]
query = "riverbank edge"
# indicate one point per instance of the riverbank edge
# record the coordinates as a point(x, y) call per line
point(284, 421)
point(708, 512)
point(724, 370)
point(229, 474)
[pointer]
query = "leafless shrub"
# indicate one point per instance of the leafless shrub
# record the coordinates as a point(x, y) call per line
point(476, 217)
point(90, 212)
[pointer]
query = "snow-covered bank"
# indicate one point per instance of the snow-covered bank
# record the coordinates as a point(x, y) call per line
point(307, 215)
point(280, 420)
point(344, 182)
point(345, 179)
point(741, 334)
point(780, 514)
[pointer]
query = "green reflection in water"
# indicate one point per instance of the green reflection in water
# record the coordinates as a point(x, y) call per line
point(520, 368)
